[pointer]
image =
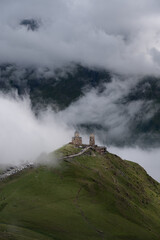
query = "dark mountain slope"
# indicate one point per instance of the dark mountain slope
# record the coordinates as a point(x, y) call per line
point(89, 197)
point(57, 89)
point(62, 87)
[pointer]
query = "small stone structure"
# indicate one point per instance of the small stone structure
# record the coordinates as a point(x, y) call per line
point(92, 140)
point(77, 140)
point(100, 150)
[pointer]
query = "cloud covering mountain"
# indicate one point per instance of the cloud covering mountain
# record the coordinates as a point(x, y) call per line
point(24, 137)
point(121, 36)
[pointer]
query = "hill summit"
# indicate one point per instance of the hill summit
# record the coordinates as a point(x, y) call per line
point(89, 196)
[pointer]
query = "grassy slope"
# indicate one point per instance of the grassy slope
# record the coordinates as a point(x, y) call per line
point(92, 197)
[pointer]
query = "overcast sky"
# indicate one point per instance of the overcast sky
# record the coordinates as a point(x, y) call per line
point(122, 36)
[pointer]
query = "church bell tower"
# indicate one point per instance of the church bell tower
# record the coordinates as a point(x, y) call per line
point(77, 140)
point(92, 140)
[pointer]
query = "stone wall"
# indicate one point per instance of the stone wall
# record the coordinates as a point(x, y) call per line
point(101, 150)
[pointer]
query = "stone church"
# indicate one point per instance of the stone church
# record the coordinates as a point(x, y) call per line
point(77, 141)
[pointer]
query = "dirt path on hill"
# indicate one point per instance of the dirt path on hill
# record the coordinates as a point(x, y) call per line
point(77, 154)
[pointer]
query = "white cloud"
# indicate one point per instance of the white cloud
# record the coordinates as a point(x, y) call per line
point(107, 110)
point(116, 35)
point(23, 137)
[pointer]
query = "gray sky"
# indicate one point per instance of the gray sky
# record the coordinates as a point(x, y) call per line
point(122, 36)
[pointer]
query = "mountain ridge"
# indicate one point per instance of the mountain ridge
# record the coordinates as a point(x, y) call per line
point(93, 196)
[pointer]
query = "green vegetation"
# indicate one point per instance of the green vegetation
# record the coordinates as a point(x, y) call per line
point(89, 197)
point(66, 150)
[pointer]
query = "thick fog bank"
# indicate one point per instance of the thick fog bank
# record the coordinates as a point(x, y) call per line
point(121, 36)
point(23, 137)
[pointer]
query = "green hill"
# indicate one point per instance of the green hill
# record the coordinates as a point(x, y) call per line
point(89, 197)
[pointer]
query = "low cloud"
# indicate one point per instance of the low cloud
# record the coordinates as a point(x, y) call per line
point(122, 37)
point(23, 137)
point(113, 118)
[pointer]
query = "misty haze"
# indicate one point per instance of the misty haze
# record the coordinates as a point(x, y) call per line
point(80, 119)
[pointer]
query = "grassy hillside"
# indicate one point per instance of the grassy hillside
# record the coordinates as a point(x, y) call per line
point(90, 197)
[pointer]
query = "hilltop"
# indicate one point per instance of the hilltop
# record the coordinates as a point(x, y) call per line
point(91, 196)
